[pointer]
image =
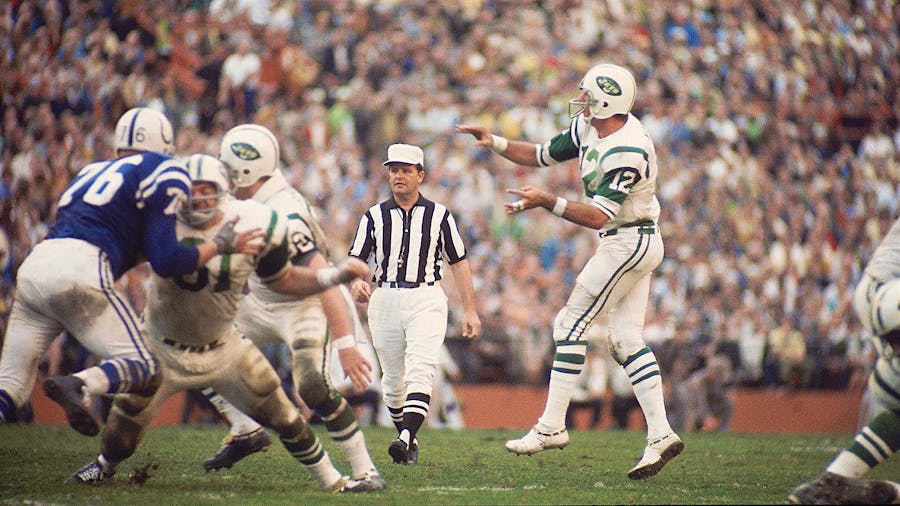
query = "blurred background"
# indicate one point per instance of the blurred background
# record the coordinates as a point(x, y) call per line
point(776, 125)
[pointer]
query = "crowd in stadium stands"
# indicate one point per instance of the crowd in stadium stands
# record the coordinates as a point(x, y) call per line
point(776, 125)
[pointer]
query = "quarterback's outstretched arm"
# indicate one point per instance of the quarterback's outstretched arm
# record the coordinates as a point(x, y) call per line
point(521, 152)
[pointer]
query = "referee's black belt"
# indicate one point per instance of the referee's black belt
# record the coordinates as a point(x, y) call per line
point(404, 284)
point(643, 227)
point(193, 349)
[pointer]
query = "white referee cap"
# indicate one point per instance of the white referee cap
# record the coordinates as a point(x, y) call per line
point(406, 153)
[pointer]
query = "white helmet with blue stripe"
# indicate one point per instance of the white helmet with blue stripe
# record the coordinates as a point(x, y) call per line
point(205, 169)
point(144, 129)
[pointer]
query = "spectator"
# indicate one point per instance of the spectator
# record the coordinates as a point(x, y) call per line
point(704, 402)
point(791, 81)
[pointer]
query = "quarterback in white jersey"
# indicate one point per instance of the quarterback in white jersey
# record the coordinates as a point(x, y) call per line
point(877, 303)
point(190, 323)
point(619, 170)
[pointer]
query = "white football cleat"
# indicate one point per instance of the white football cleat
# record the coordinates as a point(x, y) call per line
point(535, 441)
point(656, 454)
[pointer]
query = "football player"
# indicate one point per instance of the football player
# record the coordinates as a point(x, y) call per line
point(309, 327)
point(114, 214)
point(190, 323)
point(877, 303)
point(618, 165)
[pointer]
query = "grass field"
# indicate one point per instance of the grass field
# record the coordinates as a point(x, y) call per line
point(456, 467)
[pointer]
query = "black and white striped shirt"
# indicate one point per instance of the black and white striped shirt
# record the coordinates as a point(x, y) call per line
point(408, 247)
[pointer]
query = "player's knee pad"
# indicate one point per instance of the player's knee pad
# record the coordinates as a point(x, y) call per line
point(622, 349)
point(575, 318)
point(287, 425)
point(257, 373)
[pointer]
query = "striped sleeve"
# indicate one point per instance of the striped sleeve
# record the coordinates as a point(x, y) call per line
point(564, 146)
point(364, 240)
point(454, 248)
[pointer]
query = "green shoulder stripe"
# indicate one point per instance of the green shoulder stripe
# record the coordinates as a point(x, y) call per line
point(273, 220)
point(561, 147)
point(625, 149)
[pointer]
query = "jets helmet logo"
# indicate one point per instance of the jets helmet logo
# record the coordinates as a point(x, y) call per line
point(245, 151)
point(609, 86)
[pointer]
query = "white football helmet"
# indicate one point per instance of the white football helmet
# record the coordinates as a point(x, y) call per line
point(609, 90)
point(250, 152)
point(205, 168)
point(144, 129)
point(884, 310)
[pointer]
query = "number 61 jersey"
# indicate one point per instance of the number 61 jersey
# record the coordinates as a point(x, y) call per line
point(199, 308)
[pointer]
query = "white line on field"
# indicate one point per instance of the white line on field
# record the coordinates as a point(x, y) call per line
point(828, 449)
point(478, 489)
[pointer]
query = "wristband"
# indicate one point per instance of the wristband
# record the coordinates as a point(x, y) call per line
point(560, 207)
point(344, 342)
point(500, 144)
point(327, 276)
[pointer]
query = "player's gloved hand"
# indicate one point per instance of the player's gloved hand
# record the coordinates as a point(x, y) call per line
point(226, 237)
point(228, 240)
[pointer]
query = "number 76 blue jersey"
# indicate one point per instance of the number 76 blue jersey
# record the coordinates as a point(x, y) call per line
point(127, 208)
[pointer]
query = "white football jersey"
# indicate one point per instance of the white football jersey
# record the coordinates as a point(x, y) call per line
point(885, 262)
point(305, 235)
point(198, 308)
point(618, 171)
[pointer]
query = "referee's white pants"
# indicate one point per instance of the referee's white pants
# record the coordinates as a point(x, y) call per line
point(408, 326)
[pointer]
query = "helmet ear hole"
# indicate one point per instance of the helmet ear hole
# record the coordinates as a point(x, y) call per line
point(251, 151)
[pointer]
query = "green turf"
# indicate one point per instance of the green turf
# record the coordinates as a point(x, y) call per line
point(456, 467)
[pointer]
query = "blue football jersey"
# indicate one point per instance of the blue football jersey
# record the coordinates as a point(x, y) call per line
point(127, 208)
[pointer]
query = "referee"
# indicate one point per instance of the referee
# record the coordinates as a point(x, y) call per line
point(406, 239)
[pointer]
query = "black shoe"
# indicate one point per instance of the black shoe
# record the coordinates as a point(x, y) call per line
point(91, 474)
point(67, 391)
point(235, 448)
point(832, 488)
point(413, 456)
point(399, 451)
